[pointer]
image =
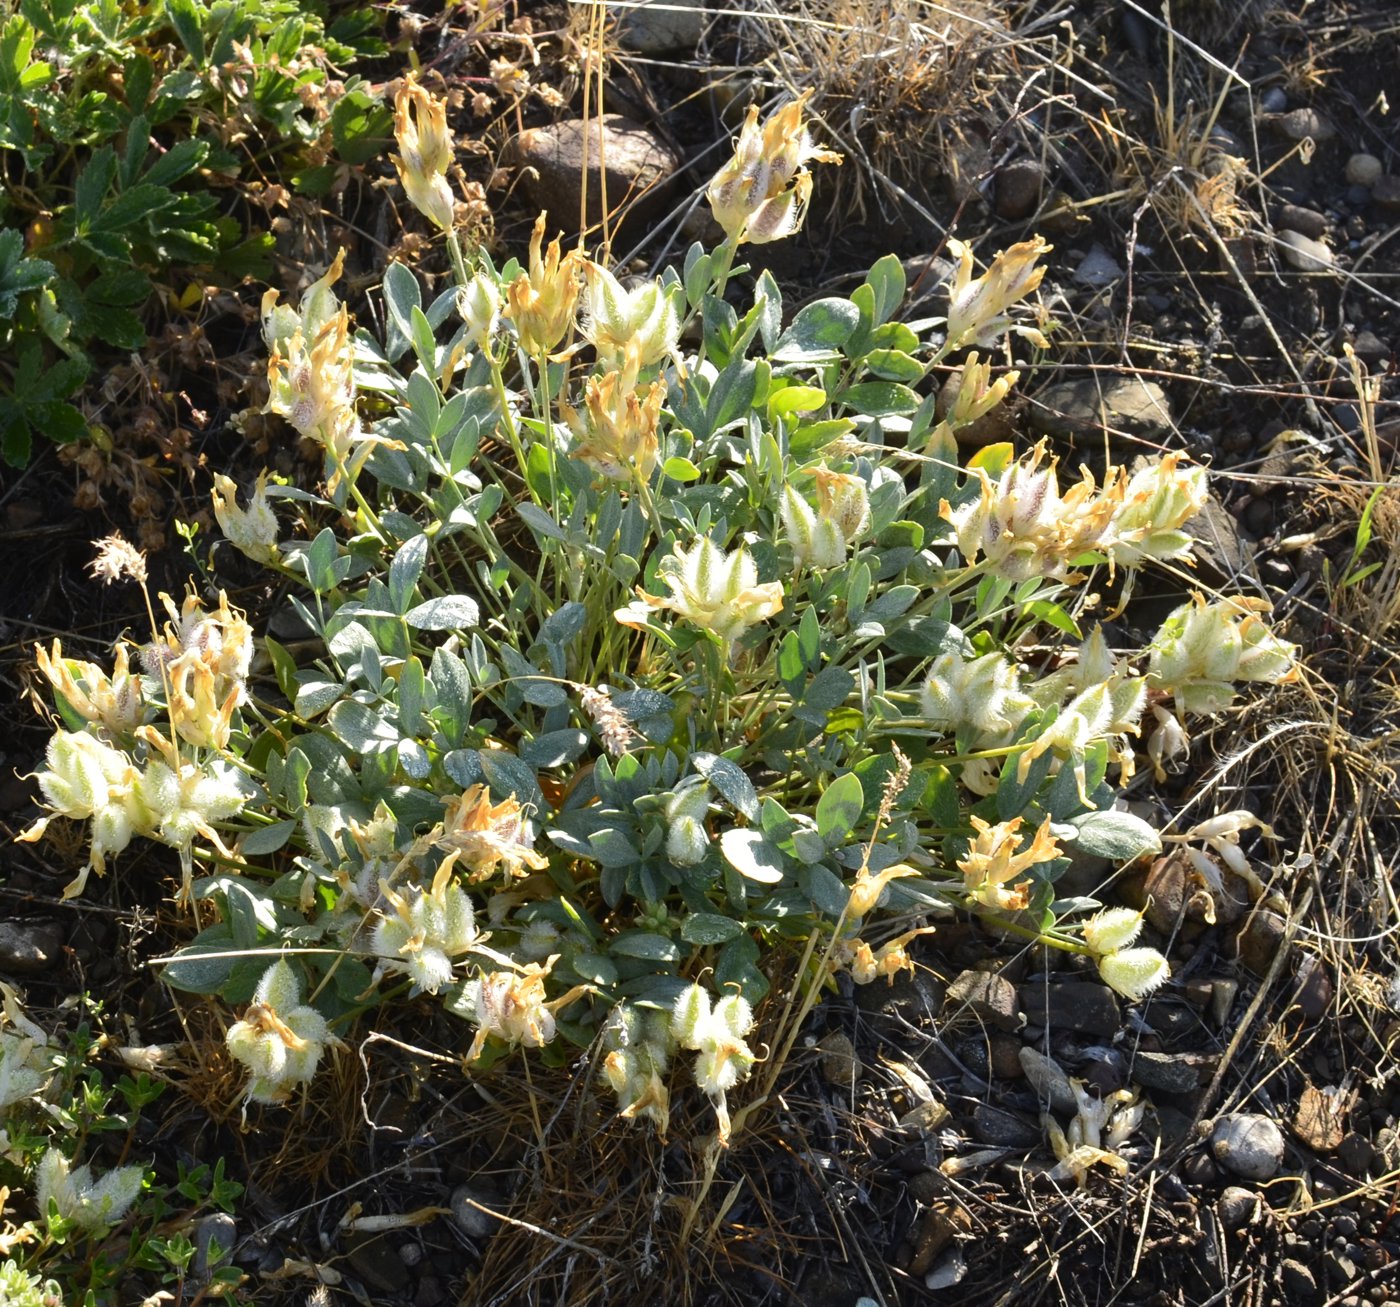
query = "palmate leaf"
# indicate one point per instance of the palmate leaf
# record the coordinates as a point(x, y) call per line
point(17, 273)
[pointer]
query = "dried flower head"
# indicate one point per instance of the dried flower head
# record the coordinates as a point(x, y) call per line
point(252, 530)
point(118, 558)
point(617, 429)
point(489, 836)
point(112, 702)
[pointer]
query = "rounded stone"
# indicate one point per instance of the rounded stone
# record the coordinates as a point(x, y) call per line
point(1248, 1145)
point(1274, 100)
point(1364, 169)
point(1303, 252)
point(468, 1217)
point(1238, 1207)
point(1018, 189)
point(1386, 191)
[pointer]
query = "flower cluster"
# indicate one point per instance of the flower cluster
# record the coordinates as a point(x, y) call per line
point(426, 930)
point(280, 1039)
point(1132, 972)
point(93, 1205)
point(718, 1035)
point(822, 538)
point(761, 193)
point(996, 866)
point(426, 151)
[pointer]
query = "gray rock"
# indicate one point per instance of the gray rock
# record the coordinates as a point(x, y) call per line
point(1049, 1081)
point(1078, 1005)
point(1356, 1155)
point(468, 1217)
point(1298, 1282)
point(1371, 349)
point(28, 947)
point(633, 160)
point(660, 26)
point(1017, 189)
point(1300, 123)
point(991, 1125)
point(1303, 252)
point(217, 1228)
point(1248, 1145)
point(1308, 221)
point(1364, 170)
point(1129, 404)
point(949, 1271)
point(1274, 100)
point(1238, 1207)
point(837, 1057)
point(1385, 192)
point(987, 995)
point(1097, 269)
point(1165, 1072)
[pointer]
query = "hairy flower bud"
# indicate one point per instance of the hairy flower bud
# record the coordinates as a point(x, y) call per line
point(252, 531)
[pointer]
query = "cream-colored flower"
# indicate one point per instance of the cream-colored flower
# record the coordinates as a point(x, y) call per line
point(639, 1048)
point(426, 151)
point(718, 1035)
point(280, 1039)
point(1157, 502)
point(541, 301)
point(978, 312)
point(94, 1206)
point(479, 306)
point(977, 393)
point(639, 327)
point(995, 866)
point(489, 836)
point(979, 695)
point(1203, 649)
point(113, 702)
point(251, 530)
point(821, 539)
point(761, 194)
point(617, 428)
point(511, 1006)
point(1024, 526)
point(713, 590)
point(1112, 929)
point(1134, 972)
point(426, 930)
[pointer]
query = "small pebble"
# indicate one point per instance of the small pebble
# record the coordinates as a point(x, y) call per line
point(1303, 252)
point(1358, 196)
point(840, 1065)
point(1364, 169)
point(1017, 189)
point(469, 1218)
point(1303, 123)
point(1298, 1282)
point(1308, 221)
point(1238, 1207)
point(1249, 1145)
point(1274, 100)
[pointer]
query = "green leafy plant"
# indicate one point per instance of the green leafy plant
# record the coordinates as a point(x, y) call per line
point(56, 1105)
point(646, 677)
point(120, 119)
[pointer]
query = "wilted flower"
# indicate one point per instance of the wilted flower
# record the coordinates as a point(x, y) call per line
point(280, 1039)
point(638, 328)
point(488, 836)
point(113, 702)
point(978, 312)
point(977, 393)
point(426, 930)
point(117, 558)
point(995, 861)
point(26, 1061)
point(1108, 709)
point(1167, 741)
point(251, 530)
point(1100, 1127)
point(761, 194)
point(511, 1006)
point(867, 964)
point(617, 428)
point(541, 301)
point(866, 889)
point(979, 695)
point(639, 1045)
point(426, 151)
point(94, 1206)
point(713, 590)
point(1203, 648)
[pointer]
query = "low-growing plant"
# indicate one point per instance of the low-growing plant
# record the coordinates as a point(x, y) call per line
point(89, 1228)
point(668, 652)
point(119, 118)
